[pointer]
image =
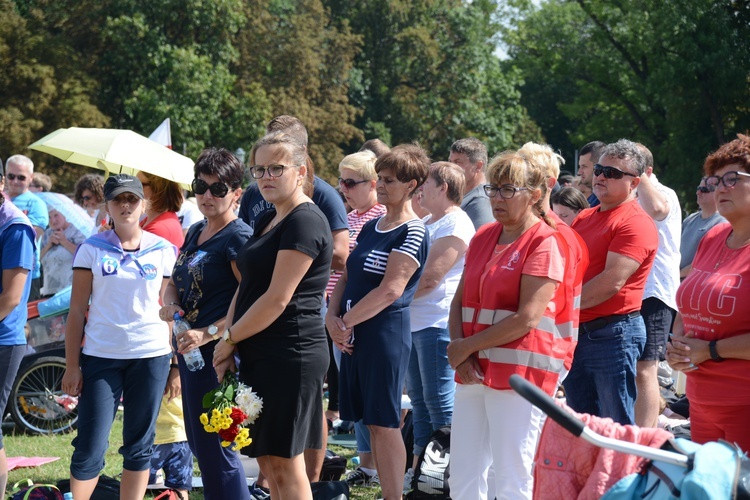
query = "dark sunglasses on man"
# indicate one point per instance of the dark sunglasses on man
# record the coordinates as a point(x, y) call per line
point(610, 172)
point(12, 177)
point(218, 189)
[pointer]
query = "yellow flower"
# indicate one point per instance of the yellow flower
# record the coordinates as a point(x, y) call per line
point(225, 443)
point(227, 411)
point(215, 413)
point(204, 418)
point(208, 428)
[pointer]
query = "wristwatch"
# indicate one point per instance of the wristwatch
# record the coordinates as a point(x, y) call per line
point(213, 331)
point(713, 352)
point(228, 337)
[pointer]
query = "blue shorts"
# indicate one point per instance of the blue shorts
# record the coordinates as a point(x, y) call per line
point(10, 360)
point(177, 462)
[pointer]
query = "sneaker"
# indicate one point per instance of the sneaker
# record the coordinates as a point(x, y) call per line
point(408, 480)
point(374, 481)
point(259, 492)
point(358, 477)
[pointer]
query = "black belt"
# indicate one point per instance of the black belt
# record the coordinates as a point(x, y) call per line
point(598, 323)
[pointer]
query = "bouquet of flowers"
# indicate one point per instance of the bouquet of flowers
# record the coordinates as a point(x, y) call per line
point(228, 408)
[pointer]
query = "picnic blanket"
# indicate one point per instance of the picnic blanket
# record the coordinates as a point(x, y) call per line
point(17, 462)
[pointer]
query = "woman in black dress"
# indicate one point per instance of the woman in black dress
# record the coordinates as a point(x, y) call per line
point(276, 325)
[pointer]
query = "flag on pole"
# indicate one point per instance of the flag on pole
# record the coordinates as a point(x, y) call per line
point(163, 134)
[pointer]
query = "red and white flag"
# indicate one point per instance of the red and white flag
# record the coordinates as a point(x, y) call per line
point(163, 134)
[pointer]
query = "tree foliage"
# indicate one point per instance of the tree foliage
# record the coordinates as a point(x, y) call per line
point(673, 75)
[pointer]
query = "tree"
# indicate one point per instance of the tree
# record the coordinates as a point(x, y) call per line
point(294, 52)
point(428, 72)
point(673, 75)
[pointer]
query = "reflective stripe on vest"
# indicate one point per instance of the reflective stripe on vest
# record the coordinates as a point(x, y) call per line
point(523, 358)
point(494, 316)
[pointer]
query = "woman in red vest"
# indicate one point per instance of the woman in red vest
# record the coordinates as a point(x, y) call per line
point(502, 321)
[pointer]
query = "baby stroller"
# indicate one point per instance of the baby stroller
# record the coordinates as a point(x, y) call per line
point(37, 402)
point(679, 469)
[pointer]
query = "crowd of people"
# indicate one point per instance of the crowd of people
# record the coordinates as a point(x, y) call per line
point(437, 280)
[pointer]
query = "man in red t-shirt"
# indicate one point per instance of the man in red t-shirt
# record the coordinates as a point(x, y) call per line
point(622, 242)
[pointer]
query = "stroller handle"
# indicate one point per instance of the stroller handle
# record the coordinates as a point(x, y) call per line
point(539, 398)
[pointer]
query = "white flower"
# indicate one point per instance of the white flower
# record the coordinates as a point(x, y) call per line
point(249, 402)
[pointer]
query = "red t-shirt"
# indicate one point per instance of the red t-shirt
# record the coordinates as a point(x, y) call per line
point(629, 231)
point(168, 226)
point(712, 301)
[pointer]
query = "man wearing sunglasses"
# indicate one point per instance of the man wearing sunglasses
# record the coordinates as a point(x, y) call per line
point(696, 225)
point(19, 172)
point(622, 240)
point(659, 305)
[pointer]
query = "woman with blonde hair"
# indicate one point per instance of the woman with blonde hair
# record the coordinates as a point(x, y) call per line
point(502, 321)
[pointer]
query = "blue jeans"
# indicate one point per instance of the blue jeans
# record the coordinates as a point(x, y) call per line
point(140, 383)
point(430, 384)
point(602, 379)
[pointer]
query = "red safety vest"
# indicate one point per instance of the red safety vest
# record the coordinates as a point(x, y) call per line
point(540, 355)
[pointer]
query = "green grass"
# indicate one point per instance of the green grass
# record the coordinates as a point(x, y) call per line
point(58, 445)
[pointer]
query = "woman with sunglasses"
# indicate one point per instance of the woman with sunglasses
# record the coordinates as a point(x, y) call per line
point(502, 321)
point(274, 317)
point(203, 283)
point(89, 194)
point(711, 341)
point(118, 278)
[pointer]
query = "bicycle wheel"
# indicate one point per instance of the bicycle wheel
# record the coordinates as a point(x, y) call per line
point(37, 402)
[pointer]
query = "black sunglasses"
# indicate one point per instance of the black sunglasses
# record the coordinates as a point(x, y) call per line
point(610, 172)
point(704, 189)
point(350, 183)
point(218, 189)
point(14, 177)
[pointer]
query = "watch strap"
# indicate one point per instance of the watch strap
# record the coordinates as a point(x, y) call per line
point(713, 352)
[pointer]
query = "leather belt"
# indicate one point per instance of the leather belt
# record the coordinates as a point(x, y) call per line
point(596, 324)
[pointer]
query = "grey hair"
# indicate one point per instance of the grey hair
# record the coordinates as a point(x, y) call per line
point(628, 151)
point(473, 148)
point(20, 160)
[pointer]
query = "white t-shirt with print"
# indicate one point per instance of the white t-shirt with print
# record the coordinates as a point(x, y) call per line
point(123, 320)
point(431, 310)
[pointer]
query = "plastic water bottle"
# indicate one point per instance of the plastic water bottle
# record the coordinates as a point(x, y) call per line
point(68, 496)
point(193, 358)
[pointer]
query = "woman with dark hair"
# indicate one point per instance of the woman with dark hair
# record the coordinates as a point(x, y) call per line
point(164, 201)
point(567, 203)
point(275, 321)
point(368, 315)
point(89, 193)
point(710, 342)
point(16, 261)
point(203, 283)
point(502, 322)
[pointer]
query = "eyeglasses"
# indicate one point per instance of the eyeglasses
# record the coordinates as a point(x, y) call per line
point(274, 171)
point(218, 189)
point(705, 189)
point(506, 191)
point(610, 172)
point(13, 177)
point(87, 198)
point(729, 179)
point(350, 183)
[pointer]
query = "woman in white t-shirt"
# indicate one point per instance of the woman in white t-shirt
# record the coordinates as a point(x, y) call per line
point(429, 380)
point(127, 352)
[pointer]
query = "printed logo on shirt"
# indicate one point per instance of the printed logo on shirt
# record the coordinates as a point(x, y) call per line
point(512, 261)
point(199, 255)
point(376, 262)
point(149, 272)
point(109, 266)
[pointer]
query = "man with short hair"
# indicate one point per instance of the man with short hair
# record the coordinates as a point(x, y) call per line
point(695, 226)
point(587, 157)
point(19, 172)
point(622, 240)
point(659, 304)
point(471, 155)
